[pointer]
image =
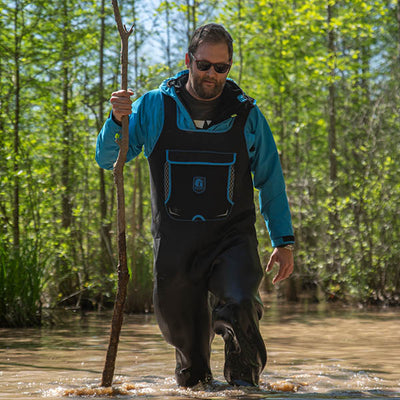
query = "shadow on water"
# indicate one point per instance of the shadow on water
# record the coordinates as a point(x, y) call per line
point(314, 352)
point(44, 367)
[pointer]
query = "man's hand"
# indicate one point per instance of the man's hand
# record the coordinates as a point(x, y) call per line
point(121, 103)
point(284, 258)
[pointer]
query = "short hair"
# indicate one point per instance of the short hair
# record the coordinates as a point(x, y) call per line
point(210, 33)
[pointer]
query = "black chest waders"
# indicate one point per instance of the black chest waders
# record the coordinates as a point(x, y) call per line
point(206, 265)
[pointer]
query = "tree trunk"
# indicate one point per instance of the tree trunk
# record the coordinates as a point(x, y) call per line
point(140, 288)
point(398, 31)
point(3, 164)
point(106, 256)
point(140, 216)
point(66, 128)
point(333, 213)
point(132, 294)
point(168, 49)
point(135, 214)
point(17, 86)
point(331, 101)
point(188, 20)
point(135, 49)
point(240, 42)
point(194, 15)
point(191, 16)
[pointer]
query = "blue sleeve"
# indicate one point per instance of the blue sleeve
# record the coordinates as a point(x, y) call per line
point(268, 178)
point(145, 126)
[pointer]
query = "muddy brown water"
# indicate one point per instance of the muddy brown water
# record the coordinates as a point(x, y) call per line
point(324, 352)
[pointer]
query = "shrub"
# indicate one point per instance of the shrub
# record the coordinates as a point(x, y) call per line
point(21, 283)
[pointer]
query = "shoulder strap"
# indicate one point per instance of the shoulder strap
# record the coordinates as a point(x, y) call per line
point(169, 112)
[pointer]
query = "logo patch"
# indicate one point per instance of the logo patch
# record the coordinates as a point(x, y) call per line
point(199, 184)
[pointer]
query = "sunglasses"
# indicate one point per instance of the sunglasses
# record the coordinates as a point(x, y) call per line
point(204, 65)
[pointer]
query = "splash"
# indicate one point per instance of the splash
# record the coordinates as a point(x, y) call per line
point(102, 391)
point(123, 390)
point(217, 389)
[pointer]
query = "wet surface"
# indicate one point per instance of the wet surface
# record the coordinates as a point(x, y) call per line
point(314, 352)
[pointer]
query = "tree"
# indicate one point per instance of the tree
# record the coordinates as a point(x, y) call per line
point(106, 254)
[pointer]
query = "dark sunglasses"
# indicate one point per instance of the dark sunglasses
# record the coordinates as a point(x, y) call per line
point(204, 65)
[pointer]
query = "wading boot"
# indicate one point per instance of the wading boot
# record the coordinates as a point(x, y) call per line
point(186, 377)
point(245, 354)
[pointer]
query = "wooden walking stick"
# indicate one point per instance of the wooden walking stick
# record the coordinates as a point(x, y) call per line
point(123, 273)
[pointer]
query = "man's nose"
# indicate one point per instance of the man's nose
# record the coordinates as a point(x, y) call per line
point(211, 71)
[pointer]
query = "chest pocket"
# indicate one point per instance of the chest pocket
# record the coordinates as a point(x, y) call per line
point(199, 185)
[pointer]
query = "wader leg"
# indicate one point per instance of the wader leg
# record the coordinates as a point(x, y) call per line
point(235, 279)
point(184, 318)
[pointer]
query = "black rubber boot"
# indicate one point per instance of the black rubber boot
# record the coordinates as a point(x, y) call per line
point(245, 353)
point(186, 377)
point(189, 372)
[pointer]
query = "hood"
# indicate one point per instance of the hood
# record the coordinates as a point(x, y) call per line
point(232, 95)
point(170, 85)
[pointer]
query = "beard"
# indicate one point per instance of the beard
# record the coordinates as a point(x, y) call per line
point(205, 91)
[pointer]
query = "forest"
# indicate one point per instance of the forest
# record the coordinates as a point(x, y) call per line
point(325, 73)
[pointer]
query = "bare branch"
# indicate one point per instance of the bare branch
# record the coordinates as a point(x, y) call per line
point(123, 274)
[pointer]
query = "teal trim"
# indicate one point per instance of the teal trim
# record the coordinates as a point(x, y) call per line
point(169, 185)
point(200, 163)
point(197, 217)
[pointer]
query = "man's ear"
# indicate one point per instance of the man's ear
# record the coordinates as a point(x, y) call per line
point(187, 60)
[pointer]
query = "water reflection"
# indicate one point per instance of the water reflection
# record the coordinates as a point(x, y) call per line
point(320, 350)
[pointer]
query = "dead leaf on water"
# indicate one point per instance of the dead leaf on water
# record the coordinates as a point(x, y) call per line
point(285, 386)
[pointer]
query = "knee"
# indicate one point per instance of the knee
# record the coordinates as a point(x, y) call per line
point(248, 304)
point(238, 311)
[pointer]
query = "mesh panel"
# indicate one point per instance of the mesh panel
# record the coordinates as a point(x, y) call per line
point(166, 180)
point(231, 182)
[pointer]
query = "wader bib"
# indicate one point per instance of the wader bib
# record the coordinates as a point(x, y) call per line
point(206, 266)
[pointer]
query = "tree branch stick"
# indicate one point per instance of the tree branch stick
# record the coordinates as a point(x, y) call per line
point(123, 274)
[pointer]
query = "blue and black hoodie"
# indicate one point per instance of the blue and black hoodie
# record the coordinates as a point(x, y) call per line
point(146, 124)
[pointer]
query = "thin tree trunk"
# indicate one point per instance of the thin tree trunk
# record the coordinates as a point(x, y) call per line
point(365, 59)
point(135, 49)
point(3, 213)
point(140, 216)
point(123, 274)
point(66, 128)
point(240, 43)
point(191, 18)
point(106, 256)
point(188, 20)
point(17, 85)
point(132, 297)
point(134, 216)
point(331, 101)
point(132, 286)
point(334, 264)
point(139, 295)
point(194, 15)
point(398, 31)
point(169, 38)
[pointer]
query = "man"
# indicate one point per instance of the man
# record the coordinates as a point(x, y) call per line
point(203, 137)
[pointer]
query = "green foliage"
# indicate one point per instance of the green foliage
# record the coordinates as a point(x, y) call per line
point(347, 229)
point(21, 284)
point(140, 287)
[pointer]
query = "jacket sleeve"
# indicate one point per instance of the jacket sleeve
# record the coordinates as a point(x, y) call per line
point(268, 178)
point(145, 125)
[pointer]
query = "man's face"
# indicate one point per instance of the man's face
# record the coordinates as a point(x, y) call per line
point(207, 85)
